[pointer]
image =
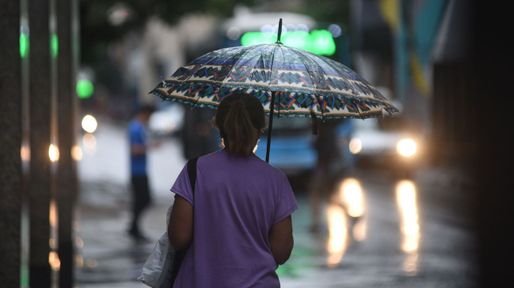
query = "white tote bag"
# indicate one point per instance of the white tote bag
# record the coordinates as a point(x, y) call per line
point(156, 271)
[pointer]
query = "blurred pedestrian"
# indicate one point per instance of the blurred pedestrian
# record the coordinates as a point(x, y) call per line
point(326, 172)
point(141, 197)
point(198, 135)
point(242, 228)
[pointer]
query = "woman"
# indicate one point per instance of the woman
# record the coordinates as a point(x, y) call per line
point(237, 225)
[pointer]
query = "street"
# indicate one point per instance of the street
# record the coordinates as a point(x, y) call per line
point(413, 233)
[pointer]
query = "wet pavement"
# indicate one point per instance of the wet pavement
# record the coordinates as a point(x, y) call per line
point(380, 233)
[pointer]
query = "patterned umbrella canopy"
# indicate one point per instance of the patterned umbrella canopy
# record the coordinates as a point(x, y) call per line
point(304, 84)
point(287, 81)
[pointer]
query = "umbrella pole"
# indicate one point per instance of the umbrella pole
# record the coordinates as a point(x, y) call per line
point(272, 104)
point(270, 125)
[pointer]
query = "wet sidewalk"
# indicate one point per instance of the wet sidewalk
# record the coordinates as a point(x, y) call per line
point(381, 252)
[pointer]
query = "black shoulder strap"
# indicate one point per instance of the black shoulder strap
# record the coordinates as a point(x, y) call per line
point(191, 171)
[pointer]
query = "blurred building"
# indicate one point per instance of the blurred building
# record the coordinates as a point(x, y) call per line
point(413, 48)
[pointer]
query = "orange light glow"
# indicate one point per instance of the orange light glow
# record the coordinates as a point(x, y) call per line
point(352, 197)
point(406, 199)
point(53, 153)
point(25, 152)
point(337, 235)
point(54, 261)
point(76, 153)
point(89, 141)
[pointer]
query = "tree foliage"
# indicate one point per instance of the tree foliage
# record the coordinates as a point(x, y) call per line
point(97, 31)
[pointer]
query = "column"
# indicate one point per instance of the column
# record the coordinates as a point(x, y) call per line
point(10, 139)
point(40, 108)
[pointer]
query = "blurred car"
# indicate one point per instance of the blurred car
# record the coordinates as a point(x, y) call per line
point(167, 121)
point(291, 145)
point(386, 142)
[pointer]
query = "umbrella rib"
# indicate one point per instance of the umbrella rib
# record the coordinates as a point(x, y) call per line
point(271, 74)
point(371, 98)
point(194, 100)
point(335, 68)
point(381, 99)
point(361, 114)
point(299, 53)
point(244, 53)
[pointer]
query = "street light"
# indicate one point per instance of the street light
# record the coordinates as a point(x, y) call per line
point(53, 153)
point(89, 124)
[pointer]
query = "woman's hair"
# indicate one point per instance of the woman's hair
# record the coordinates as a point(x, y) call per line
point(240, 119)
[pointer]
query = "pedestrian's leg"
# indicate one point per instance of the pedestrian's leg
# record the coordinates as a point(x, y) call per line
point(133, 230)
point(144, 195)
point(139, 202)
point(315, 202)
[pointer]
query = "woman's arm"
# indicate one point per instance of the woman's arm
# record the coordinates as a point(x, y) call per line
point(281, 240)
point(180, 227)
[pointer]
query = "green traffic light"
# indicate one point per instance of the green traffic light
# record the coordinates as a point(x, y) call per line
point(296, 39)
point(54, 45)
point(322, 42)
point(24, 45)
point(319, 42)
point(255, 38)
point(85, 88)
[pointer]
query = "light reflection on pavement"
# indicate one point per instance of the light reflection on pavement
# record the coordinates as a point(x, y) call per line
point(384, 234)
point(406, 198)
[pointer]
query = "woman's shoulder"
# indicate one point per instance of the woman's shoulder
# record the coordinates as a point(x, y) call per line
point(268, 168)
point(217, 158)
point(209, 156)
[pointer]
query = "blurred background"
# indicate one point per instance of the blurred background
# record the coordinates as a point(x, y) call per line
point(416, 200)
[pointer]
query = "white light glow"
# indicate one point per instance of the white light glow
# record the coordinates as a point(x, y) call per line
point(53, 153)
point(407, 147)
point(337, 235)
point(352, 197)
point(355, 145)
point(76, 153)
point(89, 123)
point(406, 199)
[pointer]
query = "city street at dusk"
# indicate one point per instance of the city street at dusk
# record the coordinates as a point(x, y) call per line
point(409, 236)
point(256, 144)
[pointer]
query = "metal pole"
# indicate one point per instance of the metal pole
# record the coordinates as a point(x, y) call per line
point(40, 109)
point(279, 34)
point(270, 125)
point(272, 104)
point(66, 189)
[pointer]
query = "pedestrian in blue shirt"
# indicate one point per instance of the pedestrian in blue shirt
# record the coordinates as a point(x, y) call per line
point(141, 197)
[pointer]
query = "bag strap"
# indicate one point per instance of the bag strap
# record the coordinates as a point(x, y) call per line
point(191, 171)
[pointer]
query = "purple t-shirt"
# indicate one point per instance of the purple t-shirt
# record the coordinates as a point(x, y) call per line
point(237, 200)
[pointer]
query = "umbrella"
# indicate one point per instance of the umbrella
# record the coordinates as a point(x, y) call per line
point(288, 81)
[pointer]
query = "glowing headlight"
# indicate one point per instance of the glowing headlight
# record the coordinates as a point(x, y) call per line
point(407, 147)
point(89, 124)
point(355, 145)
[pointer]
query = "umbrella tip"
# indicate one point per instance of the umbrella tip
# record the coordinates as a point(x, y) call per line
point(279, 30)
